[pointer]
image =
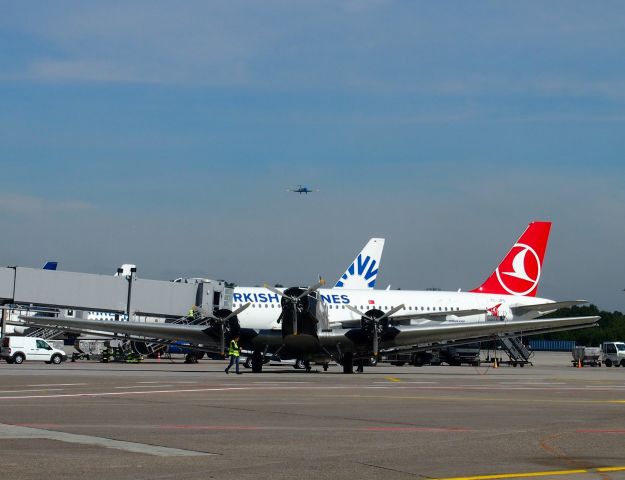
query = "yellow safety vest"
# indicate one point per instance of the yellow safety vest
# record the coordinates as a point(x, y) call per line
point(234, 348)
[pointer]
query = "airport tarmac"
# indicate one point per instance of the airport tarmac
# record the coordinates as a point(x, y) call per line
point(162, 420)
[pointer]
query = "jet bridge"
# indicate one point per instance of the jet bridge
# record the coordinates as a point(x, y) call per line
point(120, 294)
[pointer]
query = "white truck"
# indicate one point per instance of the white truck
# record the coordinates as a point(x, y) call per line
point(17, 349)
point(613, 354)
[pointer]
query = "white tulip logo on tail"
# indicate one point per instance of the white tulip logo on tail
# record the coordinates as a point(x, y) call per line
point(522, 274)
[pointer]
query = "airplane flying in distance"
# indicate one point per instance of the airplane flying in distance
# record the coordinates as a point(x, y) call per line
point(347, 325)
point(301, 189)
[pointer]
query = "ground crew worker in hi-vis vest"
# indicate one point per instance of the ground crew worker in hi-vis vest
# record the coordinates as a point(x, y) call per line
point(234, 351)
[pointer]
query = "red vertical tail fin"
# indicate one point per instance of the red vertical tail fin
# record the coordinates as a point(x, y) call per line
point(519, 271)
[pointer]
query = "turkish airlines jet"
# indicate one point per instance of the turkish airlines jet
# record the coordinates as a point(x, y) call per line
point(509, 293)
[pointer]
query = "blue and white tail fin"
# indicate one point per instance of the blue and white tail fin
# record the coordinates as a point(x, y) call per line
point(50, 265)
point(363, 271)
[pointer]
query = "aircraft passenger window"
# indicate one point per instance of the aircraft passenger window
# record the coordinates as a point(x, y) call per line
point(266, 306)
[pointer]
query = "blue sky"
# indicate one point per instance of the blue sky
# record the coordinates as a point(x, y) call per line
point(165, 135)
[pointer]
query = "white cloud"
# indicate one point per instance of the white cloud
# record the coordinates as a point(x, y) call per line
point(12, 203)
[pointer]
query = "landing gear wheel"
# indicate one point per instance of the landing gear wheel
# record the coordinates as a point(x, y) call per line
point(348, 362)
point(257, 362)
point(608, 362)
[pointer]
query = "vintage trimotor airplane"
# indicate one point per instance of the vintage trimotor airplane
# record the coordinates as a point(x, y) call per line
point(352, 325)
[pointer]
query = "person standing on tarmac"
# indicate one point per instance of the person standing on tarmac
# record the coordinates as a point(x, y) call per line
point(234, 351)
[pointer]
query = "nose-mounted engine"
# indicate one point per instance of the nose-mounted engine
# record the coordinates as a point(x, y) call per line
point(298, 312)
point(299, 317)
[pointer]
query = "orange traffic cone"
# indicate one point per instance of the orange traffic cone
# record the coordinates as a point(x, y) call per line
point(579, 363)
point(495, 365)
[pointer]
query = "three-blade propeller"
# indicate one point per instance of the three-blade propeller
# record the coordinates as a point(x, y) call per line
point(295, 299)
point(223, 322)
point(375, 322)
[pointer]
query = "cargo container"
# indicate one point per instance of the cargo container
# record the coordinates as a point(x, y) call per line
point(552, 345)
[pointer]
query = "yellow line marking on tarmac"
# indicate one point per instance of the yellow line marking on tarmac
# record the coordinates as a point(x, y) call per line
point(393, 379)
point(610, 469)
point(517, 475)
point(536, 474)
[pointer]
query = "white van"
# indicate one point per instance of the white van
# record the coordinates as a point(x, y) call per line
point(17, 349)
point(613, 354)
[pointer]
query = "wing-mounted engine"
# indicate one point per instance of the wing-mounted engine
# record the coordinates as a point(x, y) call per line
point(372, 322)
point(223, 325)
point(374, 325)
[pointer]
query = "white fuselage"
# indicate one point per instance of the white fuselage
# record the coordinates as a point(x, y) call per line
point(265, 306)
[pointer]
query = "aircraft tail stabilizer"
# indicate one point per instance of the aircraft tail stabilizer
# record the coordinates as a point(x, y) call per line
point(363, 271)
point(519, 271)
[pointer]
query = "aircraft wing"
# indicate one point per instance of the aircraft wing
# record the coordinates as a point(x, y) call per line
point(429, 333)
point(166, 331)
point(542, 308)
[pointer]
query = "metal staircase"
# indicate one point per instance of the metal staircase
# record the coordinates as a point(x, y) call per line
point(45, 333)
point(518, 354)
point(153, 348)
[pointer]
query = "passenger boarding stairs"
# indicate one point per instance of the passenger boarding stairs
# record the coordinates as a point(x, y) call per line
point(45, 333)
point(153, 348)
point(518, 354)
